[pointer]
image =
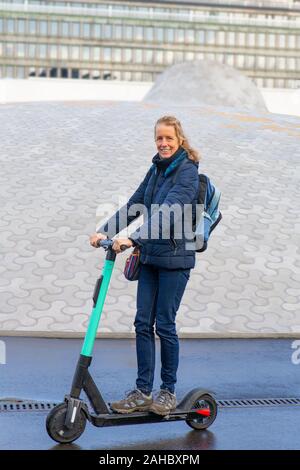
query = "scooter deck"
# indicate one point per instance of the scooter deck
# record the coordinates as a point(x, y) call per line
point(111, 419)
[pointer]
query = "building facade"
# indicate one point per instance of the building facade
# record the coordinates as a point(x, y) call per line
point(137, 40)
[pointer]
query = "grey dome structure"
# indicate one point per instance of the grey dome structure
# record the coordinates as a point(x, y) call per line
point(206, 82)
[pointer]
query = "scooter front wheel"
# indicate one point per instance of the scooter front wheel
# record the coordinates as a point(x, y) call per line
point(55, 425)
point(204, 411)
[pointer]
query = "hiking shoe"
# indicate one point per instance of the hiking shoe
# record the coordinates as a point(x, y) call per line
point(134, 401)
point(163, 403)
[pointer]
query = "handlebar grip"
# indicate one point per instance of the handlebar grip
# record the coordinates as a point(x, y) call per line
point(106, 243)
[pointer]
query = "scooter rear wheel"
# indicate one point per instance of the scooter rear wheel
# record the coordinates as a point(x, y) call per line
point(209, 408)
point(55, 425)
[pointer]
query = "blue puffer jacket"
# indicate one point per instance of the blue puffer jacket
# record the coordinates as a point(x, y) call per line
point(158, 188)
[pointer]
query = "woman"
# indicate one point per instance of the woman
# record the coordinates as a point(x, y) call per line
point(166, 262)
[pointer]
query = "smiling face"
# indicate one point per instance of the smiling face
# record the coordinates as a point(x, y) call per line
point(166, 140)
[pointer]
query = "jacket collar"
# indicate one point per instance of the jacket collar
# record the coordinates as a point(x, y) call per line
point(176, 159)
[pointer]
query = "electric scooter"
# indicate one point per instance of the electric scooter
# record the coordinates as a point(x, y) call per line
point(66, 421)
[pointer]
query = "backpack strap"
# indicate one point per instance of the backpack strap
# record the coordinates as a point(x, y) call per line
point(202, 189)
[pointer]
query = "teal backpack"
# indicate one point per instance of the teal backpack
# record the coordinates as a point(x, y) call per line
point(208, 196)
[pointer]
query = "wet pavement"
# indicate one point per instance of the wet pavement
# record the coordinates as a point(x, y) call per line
point(42, 369)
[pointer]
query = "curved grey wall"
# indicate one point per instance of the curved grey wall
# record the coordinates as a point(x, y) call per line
point(59, 161)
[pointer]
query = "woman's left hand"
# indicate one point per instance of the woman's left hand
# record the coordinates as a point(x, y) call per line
point(118, 242)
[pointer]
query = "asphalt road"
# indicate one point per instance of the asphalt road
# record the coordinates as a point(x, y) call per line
point(42, 369)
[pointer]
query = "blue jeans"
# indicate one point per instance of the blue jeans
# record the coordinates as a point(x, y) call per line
point(159, 295)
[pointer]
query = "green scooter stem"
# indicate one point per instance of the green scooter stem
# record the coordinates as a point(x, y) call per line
point(89, 340)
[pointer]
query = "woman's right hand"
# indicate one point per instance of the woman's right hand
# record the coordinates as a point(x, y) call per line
point(95, 237)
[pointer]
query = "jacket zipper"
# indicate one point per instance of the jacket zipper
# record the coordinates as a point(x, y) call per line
point(175, 245)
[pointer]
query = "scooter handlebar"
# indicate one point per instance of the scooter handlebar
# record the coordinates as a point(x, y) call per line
point(108, 243)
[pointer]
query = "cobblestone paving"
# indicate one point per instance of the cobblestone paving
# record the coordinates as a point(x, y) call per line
point(59, 161)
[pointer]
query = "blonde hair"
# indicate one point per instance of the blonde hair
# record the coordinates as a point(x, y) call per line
point(172, 121)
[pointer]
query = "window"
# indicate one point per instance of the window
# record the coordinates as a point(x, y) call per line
point(53, 51)
point(230, 38)
point(107, 31)
point(9, 71)
point(137, 76)
point(149, 34)
point(250, 61)
point(169, 57)
point(240, 60)
point(127, 76)
point(147, 77)
point(127, 55)
point(180, 35)
point(32, 27)
point(74, 30)
point(138, 33)
point(159, 34)
point(75, 50)
point(270, 63)
point(170, 35)
point(158, 57)
point(32, 51)
point(261, 39)
point(210, 37)
point(149, 57)
point(65, 29)
point(178, 57)
point(43, 50)
point(20, 50)
point(87, 30)
point(210, 56)
point(291, 63)
point(220, 58)
point(251, 39)
point(280, 62)
point(97, 54)
point(221, 38)
point(269, 83)
point(53, 28)
point(21, 27)
point(281, 40)
point(291, 41)
point(63, 52)
point(1, 25)
point(139, 56)
point(9, 49)
point(118, 32)
point(271, 40)
point(128, 32)
point(189, 56)
point(241, 39)
point(86, 53)
point(43, 28)
point(117, 55)
point(190, 35)
point(261, 62)
point(107, 54)
point(10, 24)
point(229, 59)
point(20, 72)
